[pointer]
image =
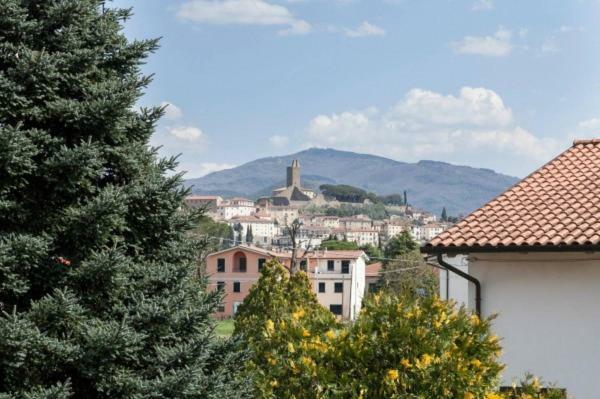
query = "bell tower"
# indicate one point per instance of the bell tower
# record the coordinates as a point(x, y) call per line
point(293, 174)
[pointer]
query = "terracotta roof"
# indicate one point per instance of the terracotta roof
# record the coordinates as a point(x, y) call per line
point(556, 207)
point(336, 254)
point(373, 269)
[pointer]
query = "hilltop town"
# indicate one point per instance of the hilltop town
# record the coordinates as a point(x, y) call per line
point(263, 222)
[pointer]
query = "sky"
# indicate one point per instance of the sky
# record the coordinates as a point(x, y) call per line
point(498, 84)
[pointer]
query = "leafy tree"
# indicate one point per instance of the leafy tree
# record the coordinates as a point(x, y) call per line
point(399, 245)
point(346, 193)
point(392, 199)
point(337, 245)
point(214, 234)
point(97, 266)
point(372, 251)
point(249, 235)
point(279, 321)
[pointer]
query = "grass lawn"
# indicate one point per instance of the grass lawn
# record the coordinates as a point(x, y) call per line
point(224, 328)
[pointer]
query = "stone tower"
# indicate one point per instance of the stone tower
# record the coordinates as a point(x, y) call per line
point(293, 174)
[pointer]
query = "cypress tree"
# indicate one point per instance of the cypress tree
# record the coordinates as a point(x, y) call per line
point(249, 235)
point(98, 289)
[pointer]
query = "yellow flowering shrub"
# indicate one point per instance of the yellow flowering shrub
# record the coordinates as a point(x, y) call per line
point(397, 348)
point(531, 387)
point(424, 348)
point(287, 332)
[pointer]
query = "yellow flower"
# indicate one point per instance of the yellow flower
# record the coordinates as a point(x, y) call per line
point(468, 395)
point(305, 333)
point(298, 314)
point(405, 363)
point(393, 374)
point(493, 395)
point(272, 361)
point(330, 334)
point(475, 319)
point(424, 361)
point(535, 383)
point(270, 326)
point(274, 383)
point(307, 361)
point(476, 363)
point(290, 347)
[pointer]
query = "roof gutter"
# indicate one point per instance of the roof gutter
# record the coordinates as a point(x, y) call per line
point(509, 248)
point(476, 283)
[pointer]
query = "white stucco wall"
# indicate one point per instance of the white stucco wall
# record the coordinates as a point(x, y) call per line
point(453, 286)
point(548, 309)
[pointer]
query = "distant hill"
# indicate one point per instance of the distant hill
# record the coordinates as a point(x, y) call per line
point(430, 185)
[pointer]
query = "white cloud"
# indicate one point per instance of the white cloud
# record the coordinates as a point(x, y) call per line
point(426, 124)
point(498, 45)
point(242, 12)
point(210, 167)
point(186, 133)
point(278, 141)
point(483, 5)
point(172, 111)
point(568, 29)
point(593, 123)
point(365, 29)
point(549, 46)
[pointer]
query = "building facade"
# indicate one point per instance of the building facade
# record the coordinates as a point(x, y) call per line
point(337, 277)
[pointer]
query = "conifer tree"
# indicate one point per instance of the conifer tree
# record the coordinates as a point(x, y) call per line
point(98, 292)
point(249, 235)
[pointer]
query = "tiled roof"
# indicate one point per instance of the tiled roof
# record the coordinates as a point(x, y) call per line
point(373, 269)
point(336, 254)
point(557, 206)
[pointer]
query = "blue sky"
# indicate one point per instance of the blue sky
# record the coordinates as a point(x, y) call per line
point(499, 84)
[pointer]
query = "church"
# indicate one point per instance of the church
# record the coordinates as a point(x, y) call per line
point(293, 191)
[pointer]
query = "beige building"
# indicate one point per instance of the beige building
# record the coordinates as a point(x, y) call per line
point(209, 202)
point(235, 207)
point(359, 236)
point(263, 229)
point(394, 227)
point(355, 222)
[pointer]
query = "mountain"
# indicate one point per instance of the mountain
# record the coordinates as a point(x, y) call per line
point(431, 185)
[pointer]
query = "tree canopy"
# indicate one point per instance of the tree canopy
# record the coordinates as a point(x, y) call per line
point(98, 283)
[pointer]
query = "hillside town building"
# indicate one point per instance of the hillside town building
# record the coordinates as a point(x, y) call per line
point(293, 191)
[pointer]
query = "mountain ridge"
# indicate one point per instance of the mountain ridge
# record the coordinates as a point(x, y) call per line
point(431, 185)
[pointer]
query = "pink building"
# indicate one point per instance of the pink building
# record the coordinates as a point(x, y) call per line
point(338, 277)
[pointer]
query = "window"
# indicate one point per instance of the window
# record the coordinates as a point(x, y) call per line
point(336, 309)
point(236, 286)
point(330, 265)
point(239, 262)
point(321, 287)
point(338, 287)
point(261, 263)
point(221, 308)
point(303, 265)
point(345, 266)
point(221, 285)
point(221, 265)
